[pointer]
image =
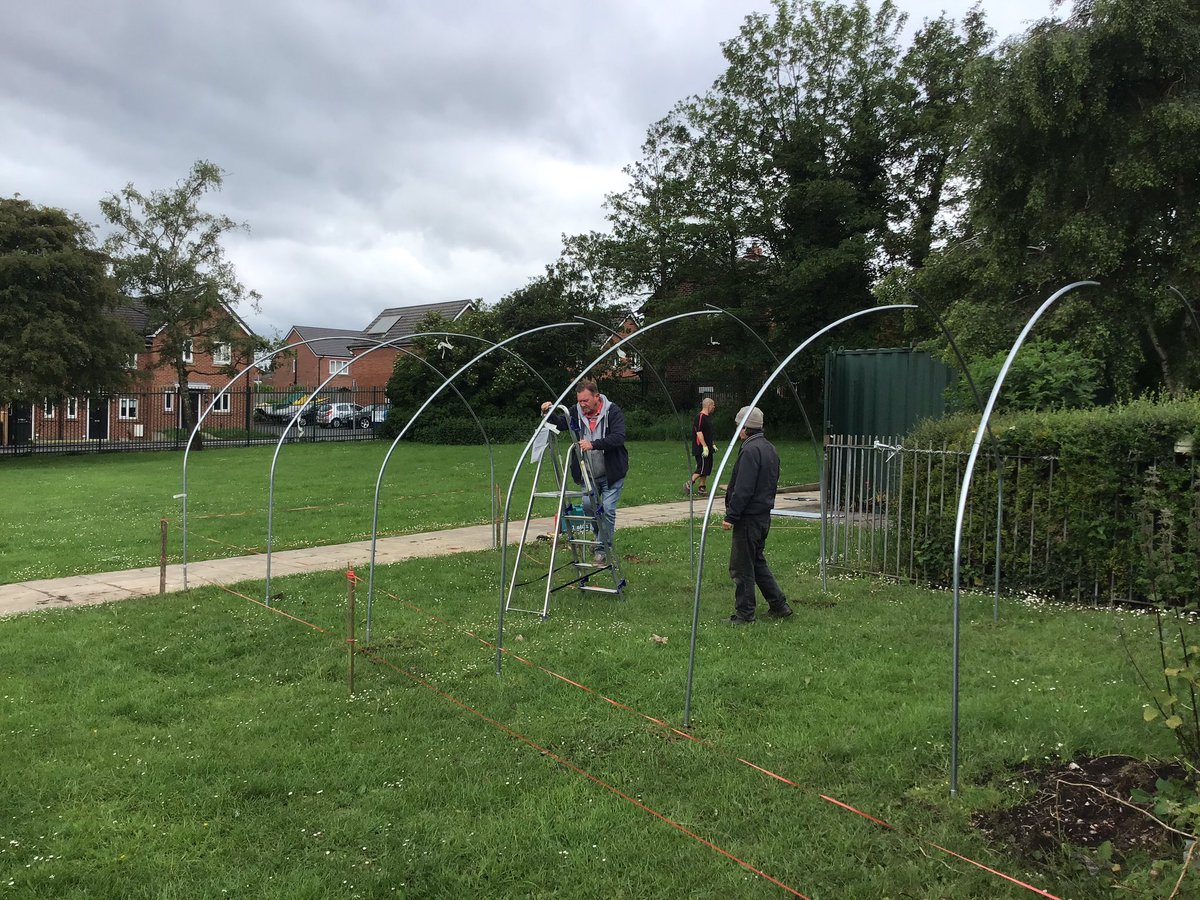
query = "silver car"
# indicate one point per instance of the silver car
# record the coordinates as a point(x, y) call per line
point(335, 415)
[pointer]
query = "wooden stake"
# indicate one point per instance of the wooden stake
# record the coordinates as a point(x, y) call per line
point(350, 580)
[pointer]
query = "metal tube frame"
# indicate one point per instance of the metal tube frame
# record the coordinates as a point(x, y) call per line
point(258, 360)
point(557, 401)
point(499, 345)
point(687, 703)
point(394, 342)
point(964, 492)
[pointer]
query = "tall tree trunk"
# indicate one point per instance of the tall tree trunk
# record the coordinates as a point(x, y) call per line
point(1163, 363)
point(188, 414)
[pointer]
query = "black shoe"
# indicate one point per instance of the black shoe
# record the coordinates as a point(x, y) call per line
point(735, 619)
point(779, 612)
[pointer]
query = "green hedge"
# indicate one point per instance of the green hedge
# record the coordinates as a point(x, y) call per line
point(1096, 502)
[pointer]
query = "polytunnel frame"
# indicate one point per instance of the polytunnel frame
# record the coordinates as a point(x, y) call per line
point(670, 402)
point(687, 701)
point(675, 411)
point(258, 360)
point(394, 343)
point(528, 444)
point(499, 345)
point(811, 433)
point(964, 491)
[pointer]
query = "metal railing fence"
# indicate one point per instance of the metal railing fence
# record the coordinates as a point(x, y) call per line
point(153, 420)
point(891, 512)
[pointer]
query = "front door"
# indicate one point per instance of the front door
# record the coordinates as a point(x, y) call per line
point(20, 424)
point(97, 419)
point(196, 402)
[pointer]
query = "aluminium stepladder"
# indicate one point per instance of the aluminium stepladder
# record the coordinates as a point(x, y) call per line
point(576, 534)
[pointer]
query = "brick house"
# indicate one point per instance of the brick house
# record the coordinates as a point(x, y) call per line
point(343, 353)
point(154, 400)
point(309, 365)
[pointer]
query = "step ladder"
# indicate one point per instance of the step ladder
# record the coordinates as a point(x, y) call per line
point(574, 542)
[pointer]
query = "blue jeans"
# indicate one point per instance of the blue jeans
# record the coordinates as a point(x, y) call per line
point(610, 495)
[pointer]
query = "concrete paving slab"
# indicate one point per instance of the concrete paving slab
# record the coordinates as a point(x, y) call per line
point(104, 587)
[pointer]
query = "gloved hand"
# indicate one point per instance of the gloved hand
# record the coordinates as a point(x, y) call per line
point(704, 453)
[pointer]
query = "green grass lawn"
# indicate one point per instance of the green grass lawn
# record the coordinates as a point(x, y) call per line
point(200, 745)
point(100, 513)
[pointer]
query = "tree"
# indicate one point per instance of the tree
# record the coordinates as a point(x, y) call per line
point(59, 334)
point(1088, 166)
point(770, 194)
point(167, 255)
point(933, 132)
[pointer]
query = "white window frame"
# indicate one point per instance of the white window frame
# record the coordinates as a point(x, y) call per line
point(222, 354)
point(339, 367)
point(168, 401)
point(72, 407)
point(127, 408)
point(222, 404)
point(131, 363)
point(189, 354)
point(47, 409)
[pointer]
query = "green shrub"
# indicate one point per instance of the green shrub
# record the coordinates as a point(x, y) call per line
point(1095, 502)
point(1045, 376)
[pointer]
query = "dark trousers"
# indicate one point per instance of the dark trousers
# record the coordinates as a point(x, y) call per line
point(748, 566)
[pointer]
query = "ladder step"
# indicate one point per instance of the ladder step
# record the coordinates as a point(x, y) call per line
point(588, 565)
point(518, 609)
point(595, 589)
point(584, 542)
point(553, 495)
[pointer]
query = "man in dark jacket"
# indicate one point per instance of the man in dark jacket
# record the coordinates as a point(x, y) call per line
point(599, 426)
point(748, 503)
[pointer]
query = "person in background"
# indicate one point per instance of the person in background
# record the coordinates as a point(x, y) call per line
point(599, 426)
point(703, 448)
point(748, 502)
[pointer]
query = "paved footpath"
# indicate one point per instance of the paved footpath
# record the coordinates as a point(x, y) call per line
point(104, 587)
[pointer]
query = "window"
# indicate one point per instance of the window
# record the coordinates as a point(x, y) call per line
point(188, 356)
point(131, 362)
point(168, 401)
point(47, 409)
point(72, 408)
point(222, 354)
point(222, 404)
point(127, 408)
point(339, 367)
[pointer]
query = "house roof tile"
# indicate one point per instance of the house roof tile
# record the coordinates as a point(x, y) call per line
point(397, 321)
point(334, 342)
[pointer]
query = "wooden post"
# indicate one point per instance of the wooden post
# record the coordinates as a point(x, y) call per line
point(350, 580)
point(162, 558)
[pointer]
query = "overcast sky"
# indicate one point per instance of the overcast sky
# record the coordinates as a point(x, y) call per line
point(383, 152)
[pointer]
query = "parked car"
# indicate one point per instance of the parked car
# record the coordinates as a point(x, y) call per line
point(374, 415)
point(307, 407)
point(282, 412)
point(274, 410)
point(335, 415)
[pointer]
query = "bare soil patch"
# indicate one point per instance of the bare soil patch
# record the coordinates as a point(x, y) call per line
point(1084, 803)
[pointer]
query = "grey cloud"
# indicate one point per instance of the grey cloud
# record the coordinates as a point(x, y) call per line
point(382, 151)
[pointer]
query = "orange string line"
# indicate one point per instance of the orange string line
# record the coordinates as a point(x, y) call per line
point(379, 660)
point(708, 744)
point(574, 768)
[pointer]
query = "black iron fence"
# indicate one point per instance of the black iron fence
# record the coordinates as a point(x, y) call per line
point(155, 420)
